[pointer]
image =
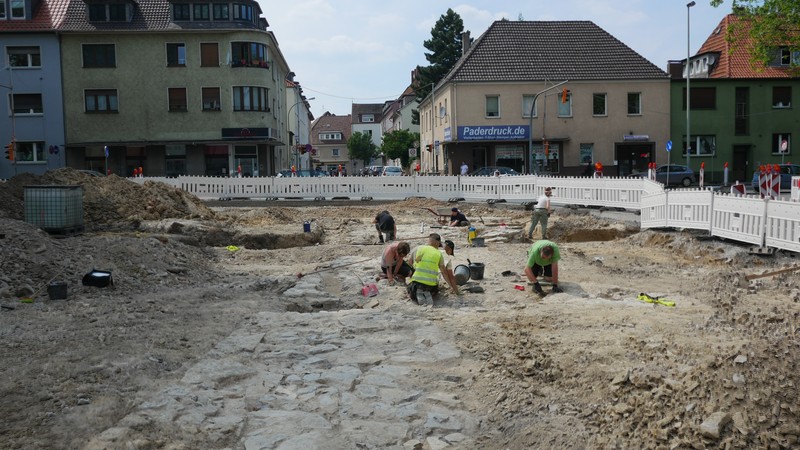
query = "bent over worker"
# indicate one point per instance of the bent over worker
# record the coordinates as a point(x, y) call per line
point(543, 258)
point(384, 223)
point(428, 262)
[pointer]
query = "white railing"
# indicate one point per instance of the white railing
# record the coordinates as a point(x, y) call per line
point(749, 219)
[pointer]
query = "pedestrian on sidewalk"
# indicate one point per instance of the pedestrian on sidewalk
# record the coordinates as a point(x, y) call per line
point(541, 212)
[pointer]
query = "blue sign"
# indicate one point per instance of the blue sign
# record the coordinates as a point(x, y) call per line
point(493, 133)
point(105, 149)
point(669, 145)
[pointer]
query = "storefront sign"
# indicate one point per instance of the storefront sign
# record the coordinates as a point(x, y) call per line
point(448, 134)
point(635, 137)
point(246, 133)
point(493, 133)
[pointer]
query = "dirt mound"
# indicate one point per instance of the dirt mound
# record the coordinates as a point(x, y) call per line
point(109, 201)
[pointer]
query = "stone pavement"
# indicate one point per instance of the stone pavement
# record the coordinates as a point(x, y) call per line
point(363, 378)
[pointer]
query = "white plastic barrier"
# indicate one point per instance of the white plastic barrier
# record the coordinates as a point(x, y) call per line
point(795, 193)
point(782, 228)
point(739, 218)
point(690, 208)
point(654, 210)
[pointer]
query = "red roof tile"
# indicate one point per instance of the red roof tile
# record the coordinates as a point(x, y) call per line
point(736, 64)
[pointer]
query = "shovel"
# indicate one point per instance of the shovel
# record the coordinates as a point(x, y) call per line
point(367, 290)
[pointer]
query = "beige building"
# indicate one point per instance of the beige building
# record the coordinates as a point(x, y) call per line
point(176, 88)
point(594, 100)
point(329, 136)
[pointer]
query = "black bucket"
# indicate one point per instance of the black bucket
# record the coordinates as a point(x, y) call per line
point(476, 271)
point(57, 290)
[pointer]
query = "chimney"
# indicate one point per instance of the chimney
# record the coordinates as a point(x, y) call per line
point(465, 42)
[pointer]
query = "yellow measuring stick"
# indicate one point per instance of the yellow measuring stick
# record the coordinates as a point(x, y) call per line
point(655, 300)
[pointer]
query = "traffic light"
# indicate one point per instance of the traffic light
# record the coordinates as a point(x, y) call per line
point(564, 95)
point(10, 151)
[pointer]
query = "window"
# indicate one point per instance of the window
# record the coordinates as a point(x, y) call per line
point(242, 12)
point(634, 103)
point(781, 144)
point(99, 55)
point(742, 119)
point(250, 98)
point(565, 105)
point(175, 160)
point(176, 55)
point(101, 101)
point(211, 99)
point(367, 118)
point(701, 98)
point(31, 152)
point(249, 54)
point(27, 104)
point(526, 106)
point(116, 12)
point(113, 12)
point(788, 57)
point(177, 99)
point(492, 106)
point(221, 11)
point(201, 11)
point(209, 54)
point(335, 152)
point(2, 9)
point(24, 56)
point(782, 97)
point(181, 12)
point(330, 136)
point(17, 9)
point(599, 104)
point(703, 145)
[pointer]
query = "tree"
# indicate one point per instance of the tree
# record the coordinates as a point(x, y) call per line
point(772, 24)
point(396, 144)
point(445, 50)
point(360, 146)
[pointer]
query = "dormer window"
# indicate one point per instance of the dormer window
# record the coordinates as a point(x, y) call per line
point(788, 57)
point(110, 12)
point(17, 9)
point(367, 118)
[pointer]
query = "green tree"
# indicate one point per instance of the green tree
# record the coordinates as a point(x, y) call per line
point(396, 144)
point(445, 50)
point(773, 24)
point(360, 146)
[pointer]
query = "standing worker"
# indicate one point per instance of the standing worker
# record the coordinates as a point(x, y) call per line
point(428, 263)
point(543, 258)
point(384, 223)
point(541, 211)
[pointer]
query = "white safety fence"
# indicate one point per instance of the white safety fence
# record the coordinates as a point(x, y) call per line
point(749, 219)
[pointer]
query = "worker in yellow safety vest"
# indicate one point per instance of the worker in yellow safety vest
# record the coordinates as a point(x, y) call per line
point(428, 262)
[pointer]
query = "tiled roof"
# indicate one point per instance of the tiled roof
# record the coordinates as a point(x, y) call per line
point(331, 123)
point(366, 108)
point(46, 15)
point(557, 50)
point(736, 64)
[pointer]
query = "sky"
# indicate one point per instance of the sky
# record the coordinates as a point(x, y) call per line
point(359, 51)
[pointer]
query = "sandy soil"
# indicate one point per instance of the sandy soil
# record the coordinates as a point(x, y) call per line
point(590, 368)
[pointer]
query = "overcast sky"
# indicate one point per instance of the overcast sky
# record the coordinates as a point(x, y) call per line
point(357, 51)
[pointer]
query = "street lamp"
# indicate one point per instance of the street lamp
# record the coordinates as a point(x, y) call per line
point(297, 131)
point(688, 76)
point(530, 126)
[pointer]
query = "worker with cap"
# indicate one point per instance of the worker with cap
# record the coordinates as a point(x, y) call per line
point(428, 263)
point(457, 218)
point(541, 211)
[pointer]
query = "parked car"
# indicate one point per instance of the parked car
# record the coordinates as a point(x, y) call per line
point(392, 171)
point(678, 175)
point(787, 172)
point(493, 170)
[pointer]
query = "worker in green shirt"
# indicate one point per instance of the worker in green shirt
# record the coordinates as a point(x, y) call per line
point(543, 258)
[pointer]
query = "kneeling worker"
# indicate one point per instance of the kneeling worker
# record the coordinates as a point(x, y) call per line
point(428, 262)
point(543, 258)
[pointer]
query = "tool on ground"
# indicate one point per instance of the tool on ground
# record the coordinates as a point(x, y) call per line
point(367, 290)
point(301, 274)
point(655, 300)
point(769, 274)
